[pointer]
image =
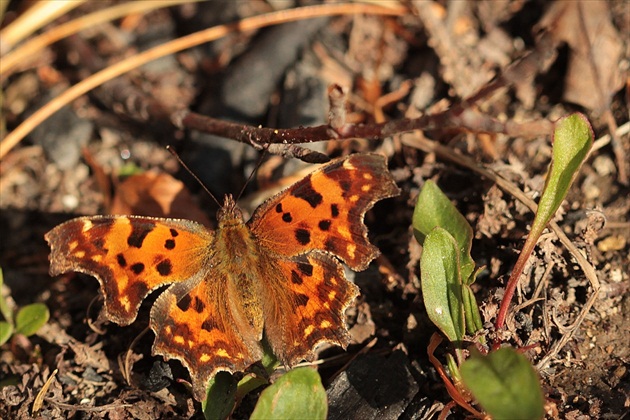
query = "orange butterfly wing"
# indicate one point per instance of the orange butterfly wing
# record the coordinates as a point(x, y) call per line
point(304, 305)
point(322, 214)
point(325, 211)
point(193, 320)
point(129, 255)
point(196, 323)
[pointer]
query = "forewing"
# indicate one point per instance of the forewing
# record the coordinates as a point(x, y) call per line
point(325, 211)
point(130, 256)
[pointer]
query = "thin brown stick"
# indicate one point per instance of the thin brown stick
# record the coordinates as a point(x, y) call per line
point(460, 117)
point(450, 120)
point(39, 399)
point(97, 409)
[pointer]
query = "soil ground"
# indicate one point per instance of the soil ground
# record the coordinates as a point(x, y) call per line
point(105, 153)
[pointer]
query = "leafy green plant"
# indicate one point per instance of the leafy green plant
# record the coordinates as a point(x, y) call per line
point(27, 321)
point(503, 382)
point(572, 141)
point(224, 391)
point(446, 260)
point(220, 397)
point(296, 394)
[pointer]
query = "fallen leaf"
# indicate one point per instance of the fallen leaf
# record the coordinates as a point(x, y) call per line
point(156, 194)
point(595, 46)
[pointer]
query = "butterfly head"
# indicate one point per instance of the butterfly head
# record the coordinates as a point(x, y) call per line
point(229, 214)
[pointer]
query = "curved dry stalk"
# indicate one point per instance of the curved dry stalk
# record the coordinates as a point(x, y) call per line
point(189, 41)
point(31, 47)
point(33, 19)
point(606, 138)
point(39, 399)
point(126, 364)
point(444, 152)
point(98, 409)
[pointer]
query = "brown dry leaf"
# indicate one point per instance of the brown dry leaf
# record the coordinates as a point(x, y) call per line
point(84, 354)
point(591, 36)
point(156, 194)
point(90, 356)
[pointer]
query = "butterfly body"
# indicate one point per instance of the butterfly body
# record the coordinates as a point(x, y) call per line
point(236, 253)
point(276, 275)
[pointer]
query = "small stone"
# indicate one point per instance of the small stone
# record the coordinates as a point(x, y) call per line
point(70, 202)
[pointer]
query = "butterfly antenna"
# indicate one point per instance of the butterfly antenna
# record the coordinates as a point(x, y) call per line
point(181, 162)
point(251, 175)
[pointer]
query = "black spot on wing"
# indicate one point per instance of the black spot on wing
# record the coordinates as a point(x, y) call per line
point(169, 244)
point(306, 269)
point(334, 210)
point(286, 217)
point(307, 193)
point(279, 208)
point(295, 278)
point(139, 233)
point(164, 267)
point(301, 299)
point(184, 303)
point(137, 268)
point(208, 325)
point(324, 225)
point(199, 305)
point(174, 232)
point(303, 236)
point(120, 258)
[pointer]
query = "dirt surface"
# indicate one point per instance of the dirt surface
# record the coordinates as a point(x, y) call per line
point(491, 75)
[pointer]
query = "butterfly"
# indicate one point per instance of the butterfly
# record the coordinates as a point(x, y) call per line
point(277, 276)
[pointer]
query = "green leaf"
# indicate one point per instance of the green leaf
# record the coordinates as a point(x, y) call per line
point(129, 169)
point(259, 373)
point(433, 208)
point(441, 283)
point(249, 383)
point(573, 139)
point(6, 330)
point(471, 311)
point(31, 318)
point(269, 360)
point(505, 384)
point(4, 308)
point(220, 397)
point(297, 394)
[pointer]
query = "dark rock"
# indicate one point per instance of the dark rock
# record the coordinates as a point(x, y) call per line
point(373, 387)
